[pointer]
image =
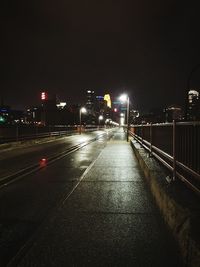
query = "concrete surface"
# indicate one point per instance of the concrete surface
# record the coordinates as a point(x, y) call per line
point(179, 205)
point(109, 219)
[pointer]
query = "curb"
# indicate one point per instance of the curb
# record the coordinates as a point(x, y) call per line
point(177, 205)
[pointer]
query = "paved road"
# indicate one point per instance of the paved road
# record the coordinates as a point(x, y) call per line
point(108, 219)
point(14, 159)
point(25, 203)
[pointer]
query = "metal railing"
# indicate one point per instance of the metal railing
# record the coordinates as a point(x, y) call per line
point(16, 133)
point(176, 145)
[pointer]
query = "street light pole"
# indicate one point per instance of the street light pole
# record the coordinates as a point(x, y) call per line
point(82, 110)
point(124, 98)
point(100, 118)
point(128, 107)
point(80, 121)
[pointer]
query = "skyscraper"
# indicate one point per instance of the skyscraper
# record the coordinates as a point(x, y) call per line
point(193, 105)
point(90, 101)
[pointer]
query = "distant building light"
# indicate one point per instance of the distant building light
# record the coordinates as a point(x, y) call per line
point(108, 100)
point(2, 119)
point(4, 110)
point(193, 93)
point(61, 105)
point(173, 108)
point(43, 96)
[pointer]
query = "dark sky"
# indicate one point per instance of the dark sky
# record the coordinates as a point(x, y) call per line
point(146, 48)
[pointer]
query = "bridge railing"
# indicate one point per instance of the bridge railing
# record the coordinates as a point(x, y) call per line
point(176, 145)
point(14, 133)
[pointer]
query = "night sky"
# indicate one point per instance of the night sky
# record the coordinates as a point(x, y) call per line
point(146, 48)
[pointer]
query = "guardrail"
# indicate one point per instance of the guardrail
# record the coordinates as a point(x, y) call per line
point(27, 132)
point(176, 145)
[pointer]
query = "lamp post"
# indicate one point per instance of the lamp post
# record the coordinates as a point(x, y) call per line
point(82, 110)
point(125, 98)
point(100, 119)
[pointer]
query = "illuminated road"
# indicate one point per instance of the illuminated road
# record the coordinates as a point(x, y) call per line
point(15, 159)
point(25, 203)
point(90, 208)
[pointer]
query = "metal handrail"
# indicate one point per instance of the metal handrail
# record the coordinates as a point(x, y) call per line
point(50, 131)
point(181, 161)
point(192, 123)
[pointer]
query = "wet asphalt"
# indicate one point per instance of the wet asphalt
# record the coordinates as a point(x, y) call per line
point(109, 219)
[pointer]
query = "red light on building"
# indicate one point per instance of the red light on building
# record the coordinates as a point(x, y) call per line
point(43, 96)
point(115, 110)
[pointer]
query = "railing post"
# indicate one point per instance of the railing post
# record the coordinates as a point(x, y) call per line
point(174, 150)
point(151, 139)
point(142, 135)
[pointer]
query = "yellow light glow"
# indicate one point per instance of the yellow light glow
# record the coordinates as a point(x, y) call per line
point(108, 100)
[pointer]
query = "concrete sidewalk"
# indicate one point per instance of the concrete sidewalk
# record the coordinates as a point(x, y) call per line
point(110, 219)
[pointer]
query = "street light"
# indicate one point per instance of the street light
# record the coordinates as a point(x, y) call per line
point(122, 119)
point(100, 119)
point(82, 110)
point(125, 98)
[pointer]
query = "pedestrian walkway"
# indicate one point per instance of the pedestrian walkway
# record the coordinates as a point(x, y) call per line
point(110, 219)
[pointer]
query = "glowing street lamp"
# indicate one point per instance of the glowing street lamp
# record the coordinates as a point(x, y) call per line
point(122, 118)
point(125, 98)
point(82, 110)
point(100, 119)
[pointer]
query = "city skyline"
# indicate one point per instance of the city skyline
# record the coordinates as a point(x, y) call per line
point(115, 99)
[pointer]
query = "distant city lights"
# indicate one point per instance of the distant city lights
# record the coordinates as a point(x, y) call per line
point(43, 96)
point(61, 105)
point(108, 100)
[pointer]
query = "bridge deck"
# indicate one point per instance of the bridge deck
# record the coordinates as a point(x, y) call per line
point(110, 219)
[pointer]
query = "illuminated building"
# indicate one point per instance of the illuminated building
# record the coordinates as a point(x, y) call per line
point(108, 100)
point(193, 105)
point(90, 101)
point(173, 112)
point(10, 116)
point(61, 105)
point(49, 109)
point(4, 114)
point(33, 115)
point(44, 96)
point(100, 105)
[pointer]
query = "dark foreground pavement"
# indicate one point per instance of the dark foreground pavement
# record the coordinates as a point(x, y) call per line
point(109, 219)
